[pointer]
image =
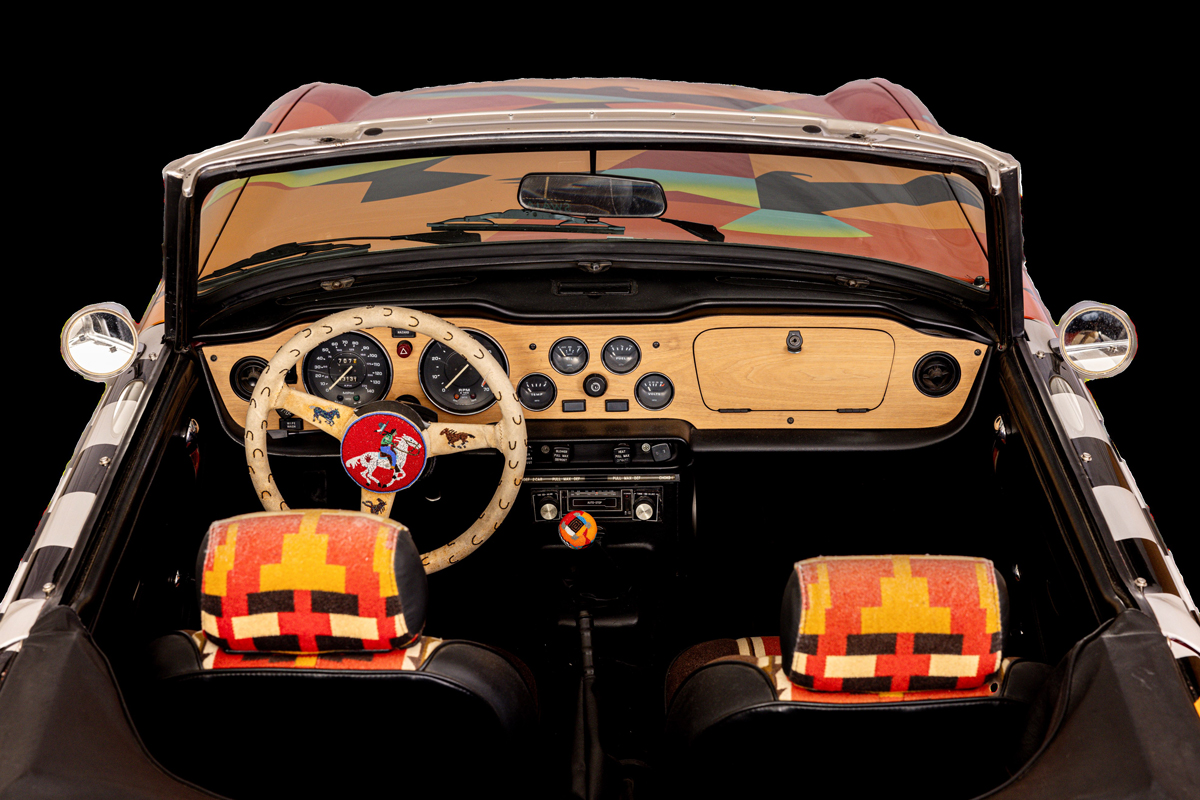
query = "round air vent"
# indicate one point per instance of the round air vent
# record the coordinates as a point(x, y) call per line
point(244, 375)
point(937, 374)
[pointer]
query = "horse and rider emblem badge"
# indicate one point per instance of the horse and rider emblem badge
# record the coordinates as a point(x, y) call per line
point(383, 452)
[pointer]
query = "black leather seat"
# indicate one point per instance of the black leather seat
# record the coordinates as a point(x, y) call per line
point(899, 687)
point(311, 675)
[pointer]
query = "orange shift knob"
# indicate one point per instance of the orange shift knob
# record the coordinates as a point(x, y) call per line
point(577, 529)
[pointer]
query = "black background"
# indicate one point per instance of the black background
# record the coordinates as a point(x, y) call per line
point(1099, 206)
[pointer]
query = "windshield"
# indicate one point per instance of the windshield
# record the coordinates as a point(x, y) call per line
point(924, 219)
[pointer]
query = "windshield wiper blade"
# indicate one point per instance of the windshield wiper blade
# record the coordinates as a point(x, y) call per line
point(567, 224)
point(303, 249)
point(708, 233)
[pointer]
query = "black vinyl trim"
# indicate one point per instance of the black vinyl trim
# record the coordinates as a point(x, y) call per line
point(1101, 466)
point(1062, 476)
point(87, 575)
point(45, 567)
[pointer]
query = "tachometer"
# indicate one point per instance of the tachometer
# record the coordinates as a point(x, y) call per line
point(351, 369)
point(451, 383)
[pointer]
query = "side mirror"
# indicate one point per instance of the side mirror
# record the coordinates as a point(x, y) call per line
point(1096, 340)
point(99, 341)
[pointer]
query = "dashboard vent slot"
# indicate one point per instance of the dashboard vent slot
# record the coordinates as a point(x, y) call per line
point(376, 291)
point(593, 288)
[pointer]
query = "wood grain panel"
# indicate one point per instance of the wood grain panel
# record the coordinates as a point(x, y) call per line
point(752, 368)
point(528, 350)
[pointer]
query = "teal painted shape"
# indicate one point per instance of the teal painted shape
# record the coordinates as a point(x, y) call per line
point(731, 189)
point(793, 223)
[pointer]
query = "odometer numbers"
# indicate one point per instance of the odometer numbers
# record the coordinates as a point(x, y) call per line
point(451, 383)
point(351, 369)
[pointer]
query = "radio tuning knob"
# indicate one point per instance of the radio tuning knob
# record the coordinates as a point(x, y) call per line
point(643, 509)
point(549, 510)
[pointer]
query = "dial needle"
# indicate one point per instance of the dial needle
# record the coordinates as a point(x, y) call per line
point(338, 379)
point(452, 380)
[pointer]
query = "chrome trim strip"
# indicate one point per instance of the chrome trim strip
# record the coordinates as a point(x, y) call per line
point(573, 124)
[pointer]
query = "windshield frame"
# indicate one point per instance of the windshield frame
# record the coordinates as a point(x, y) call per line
point(186, 188)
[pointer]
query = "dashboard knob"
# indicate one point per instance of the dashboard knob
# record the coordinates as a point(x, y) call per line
point(644, 511)
point(549, 510)
point(594, 385)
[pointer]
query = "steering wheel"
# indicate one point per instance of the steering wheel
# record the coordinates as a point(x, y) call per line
point(380, 448)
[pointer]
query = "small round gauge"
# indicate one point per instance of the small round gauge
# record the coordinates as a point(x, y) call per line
point(621, 355)
point(569, 355)
point(451, 383)
point(654, 391)
point(351, 369)
point(536, 392)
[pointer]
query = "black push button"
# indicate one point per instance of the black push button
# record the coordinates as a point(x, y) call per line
point(292, 424)
point(616, 405)
point(562, 453)
point(622, 454)
point(574, 405)
point(661, 452)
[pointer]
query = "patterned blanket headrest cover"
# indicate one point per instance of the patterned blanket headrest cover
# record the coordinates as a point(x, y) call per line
point(311, 582)
point(893, 623)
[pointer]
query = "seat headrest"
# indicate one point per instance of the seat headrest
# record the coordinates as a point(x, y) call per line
point(311, 582)
point(892, 623)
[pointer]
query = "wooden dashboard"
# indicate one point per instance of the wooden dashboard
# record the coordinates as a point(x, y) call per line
point(733, 371)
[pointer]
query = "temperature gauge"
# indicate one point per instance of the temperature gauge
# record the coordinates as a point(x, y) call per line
point(536, 392)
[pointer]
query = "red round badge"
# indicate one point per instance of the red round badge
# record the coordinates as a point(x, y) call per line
point(383, 452)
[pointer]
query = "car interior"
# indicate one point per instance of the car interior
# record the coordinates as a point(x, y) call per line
point(712, 459)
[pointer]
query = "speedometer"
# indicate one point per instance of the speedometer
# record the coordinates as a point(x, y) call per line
point(451, 383)
point(351, 369)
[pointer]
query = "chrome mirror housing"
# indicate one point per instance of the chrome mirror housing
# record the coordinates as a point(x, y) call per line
point(1096, 340)
point(99, 341)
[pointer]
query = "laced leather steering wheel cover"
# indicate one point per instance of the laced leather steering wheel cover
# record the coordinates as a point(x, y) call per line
point(508, 435)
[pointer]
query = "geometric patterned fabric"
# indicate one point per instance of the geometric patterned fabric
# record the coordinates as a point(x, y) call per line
point(766, 655)
point(305, 583)
point(410, 658)
point(893, 624)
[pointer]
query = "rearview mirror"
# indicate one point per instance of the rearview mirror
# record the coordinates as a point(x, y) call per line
point(584, 195)
point(1097, 340)
point(99, 341)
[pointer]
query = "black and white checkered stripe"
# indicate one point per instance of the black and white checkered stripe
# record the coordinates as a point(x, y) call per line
point(62, 523)
point(1121, 503)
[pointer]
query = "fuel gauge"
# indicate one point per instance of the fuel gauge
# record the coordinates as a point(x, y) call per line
point(621, 355)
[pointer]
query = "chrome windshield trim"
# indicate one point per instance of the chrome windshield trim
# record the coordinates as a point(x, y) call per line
point(575, 124)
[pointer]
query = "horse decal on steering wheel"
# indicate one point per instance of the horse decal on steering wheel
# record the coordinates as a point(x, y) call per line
point(328, 416)
point(392, 454)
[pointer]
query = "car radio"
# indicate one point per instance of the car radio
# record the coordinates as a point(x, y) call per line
point(636, 503)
